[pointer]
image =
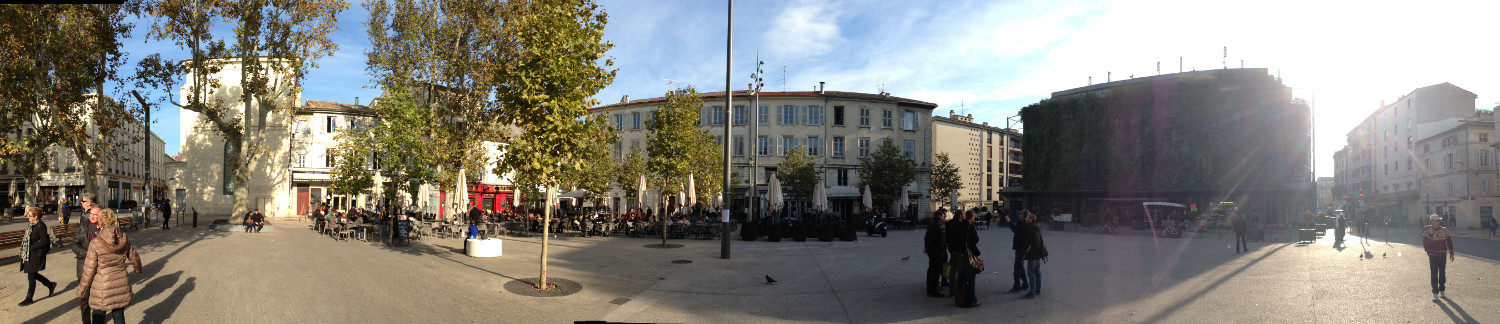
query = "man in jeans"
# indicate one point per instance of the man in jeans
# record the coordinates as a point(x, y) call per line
point(1439, 243)
point(1018, 274)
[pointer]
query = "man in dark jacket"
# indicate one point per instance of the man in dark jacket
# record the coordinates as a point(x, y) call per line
point(1018, 274)
point(961, 240)
point(81, 237)
point(1240, 227)
point(935, 247)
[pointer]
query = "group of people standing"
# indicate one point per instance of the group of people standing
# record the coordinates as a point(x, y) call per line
point(949, 245)
point(102, 251)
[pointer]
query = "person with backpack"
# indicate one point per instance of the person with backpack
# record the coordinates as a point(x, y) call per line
point(1036, 254)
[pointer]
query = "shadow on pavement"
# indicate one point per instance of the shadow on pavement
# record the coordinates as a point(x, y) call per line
point(1172, 309)
point(150, 269)
point(164, 309)
point(1461, 317)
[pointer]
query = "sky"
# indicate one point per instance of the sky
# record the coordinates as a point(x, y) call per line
point(990, 58)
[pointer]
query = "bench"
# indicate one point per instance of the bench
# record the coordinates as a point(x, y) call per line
point(12, 239)
point(127, 223)
point(63, 233)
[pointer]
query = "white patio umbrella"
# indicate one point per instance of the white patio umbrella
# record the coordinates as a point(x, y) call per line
point(692, 195)
point(904, 201)
point(820, 197)
point(515, 197)
point(773, 194)
point(460, 196)
point(640, 193)
point(868, 201)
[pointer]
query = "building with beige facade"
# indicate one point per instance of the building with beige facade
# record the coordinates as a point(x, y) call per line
point(836, 128)
point(1427, 152)
point(121, 176)
point(987, 157)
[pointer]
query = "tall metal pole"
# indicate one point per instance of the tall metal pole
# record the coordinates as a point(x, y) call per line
point(728, 122)
point(146, 184)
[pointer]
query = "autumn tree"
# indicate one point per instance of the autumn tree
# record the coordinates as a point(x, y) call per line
point(54, 62)
point(671, 140)
point(799, 173)
point(945, 180)
point(275, 43)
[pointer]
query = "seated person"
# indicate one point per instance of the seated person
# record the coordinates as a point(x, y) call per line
point(256, 220)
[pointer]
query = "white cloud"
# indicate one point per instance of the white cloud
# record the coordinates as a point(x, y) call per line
point(804, 30)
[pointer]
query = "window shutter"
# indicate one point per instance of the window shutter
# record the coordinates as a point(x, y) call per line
point(778, 115)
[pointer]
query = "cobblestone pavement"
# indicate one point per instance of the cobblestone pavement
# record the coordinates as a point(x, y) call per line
point(295, 276)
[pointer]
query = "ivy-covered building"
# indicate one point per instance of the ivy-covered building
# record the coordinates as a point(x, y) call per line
point(1195, 138)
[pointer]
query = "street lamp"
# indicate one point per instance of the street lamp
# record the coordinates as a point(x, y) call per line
point(756, 83)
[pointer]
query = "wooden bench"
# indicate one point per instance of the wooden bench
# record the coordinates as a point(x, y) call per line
point(12, 239)
point(62, 234)
point(127, 223)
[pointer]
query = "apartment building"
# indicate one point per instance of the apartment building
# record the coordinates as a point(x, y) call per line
point(988, 157)
point(122, 171)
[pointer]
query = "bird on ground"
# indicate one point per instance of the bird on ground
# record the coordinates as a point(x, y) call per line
point(1382, 254)
point(906, 258)
point(770, 281)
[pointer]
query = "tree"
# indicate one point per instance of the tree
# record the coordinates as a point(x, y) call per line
point(597, 175)
point(670, 141)
point(887, 172)
point(51, 57)
point(799, 173)
point(945, 180)
point(352, 173)
point(553, 66)
point(707, 167)
point(275, 43)
point(403, 150)
point(629, 170)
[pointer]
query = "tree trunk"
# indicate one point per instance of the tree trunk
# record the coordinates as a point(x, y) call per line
point(546, 221)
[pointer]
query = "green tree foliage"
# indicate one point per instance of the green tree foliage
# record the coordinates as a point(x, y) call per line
point(629, 170)
point(945, 179)
point(54, 61)
point(596, 176)
point(799, 173)
point(553, 65)
point(887, 172)
point(400, 141)
point(671, 142)
point(275, 43)
point(352, 173)
point(1233, 130)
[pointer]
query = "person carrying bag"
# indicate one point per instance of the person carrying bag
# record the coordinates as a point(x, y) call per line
point(963, 243)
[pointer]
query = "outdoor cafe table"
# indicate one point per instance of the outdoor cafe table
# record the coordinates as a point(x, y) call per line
point(364, 230)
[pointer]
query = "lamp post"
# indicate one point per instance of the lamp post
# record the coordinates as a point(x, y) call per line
point(728, 124)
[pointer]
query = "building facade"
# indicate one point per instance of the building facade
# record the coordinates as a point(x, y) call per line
point(836, 128)
point(122, 171)
point(988, 157)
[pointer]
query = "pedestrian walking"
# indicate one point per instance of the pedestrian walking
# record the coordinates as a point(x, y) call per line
point(166, 213)
point(1018, 273)
point(1438, 242)
point(85, 234)
point(104, 282)
point(1240, 238)
point(963, 240)
point(34, 251)
point(66, 211)
point(1036, 254)
point(934, 245)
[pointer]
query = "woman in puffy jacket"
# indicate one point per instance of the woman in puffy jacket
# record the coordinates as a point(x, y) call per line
point(104, 276)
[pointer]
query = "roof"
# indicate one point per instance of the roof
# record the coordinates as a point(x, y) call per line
point(746, 94)
point(995, 128)
point(336, 107)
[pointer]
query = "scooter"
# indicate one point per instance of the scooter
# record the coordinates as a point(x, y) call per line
point(875, 226)
point(1109, 228)
point(1171, 231)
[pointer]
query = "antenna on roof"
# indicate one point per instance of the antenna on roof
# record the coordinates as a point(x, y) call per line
point(880, 88)
point(783, 78)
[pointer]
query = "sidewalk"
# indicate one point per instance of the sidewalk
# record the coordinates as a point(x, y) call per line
point(295, 275)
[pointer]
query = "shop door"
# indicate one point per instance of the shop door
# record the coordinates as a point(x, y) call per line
point(303, 199)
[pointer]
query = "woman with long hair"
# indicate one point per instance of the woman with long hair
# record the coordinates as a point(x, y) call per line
point(104, 277)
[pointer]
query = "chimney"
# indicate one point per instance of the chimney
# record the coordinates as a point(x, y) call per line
point(950, 113)
point(820, 88)
point(625, 99)
point(356, 101)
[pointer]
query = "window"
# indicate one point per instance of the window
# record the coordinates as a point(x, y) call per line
point(990, 139)
point(1408, 163)
point(788, 115)
point(909, 120)
point(718, 142)
point(814, 115)
point(302, 160)
point(814, 146)
point(635, 120)
point(1484, 158)
point(843, 175)
point(1426, 148)
point(765, 115)
point(838, 115)
point(911, 150)
point(1484, 138)
point(788, 143)
point(864, 147)
point(717, 115)
point(619, 122)
point(1485, 185)
point(619, 150)
point(988, 166)
point(650, 117)
point(864, 117)
point(333, 124)
point(989, 181)
point(838, 147)
point(885, 118)
point(701, 115)
point(328, 158)
point(739, 146)
point(1387, 169)
point(763, 146)
point(739, 115)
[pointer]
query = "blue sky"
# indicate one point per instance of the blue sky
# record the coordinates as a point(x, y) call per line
point(994, 57)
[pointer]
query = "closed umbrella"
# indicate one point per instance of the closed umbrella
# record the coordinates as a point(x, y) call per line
point(868, 201)
point(773, 194)
point(820, 197)
point(692, 195)
point(640, 193)
point(904, 201)
point(460, 195)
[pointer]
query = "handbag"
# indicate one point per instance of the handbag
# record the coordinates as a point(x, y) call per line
point(975, 264)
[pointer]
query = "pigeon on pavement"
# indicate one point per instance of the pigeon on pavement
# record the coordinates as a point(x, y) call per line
point(769, 280)
point(906, 258)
